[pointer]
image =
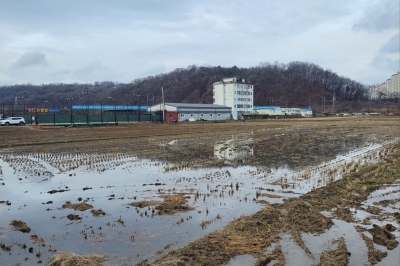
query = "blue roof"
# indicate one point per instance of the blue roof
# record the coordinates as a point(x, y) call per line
point(196, 105)
point(108, 107)
point(265, 107)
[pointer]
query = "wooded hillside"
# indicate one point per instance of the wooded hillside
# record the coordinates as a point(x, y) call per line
point(294, 84)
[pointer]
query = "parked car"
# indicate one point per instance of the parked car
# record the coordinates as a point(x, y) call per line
point(12, 121)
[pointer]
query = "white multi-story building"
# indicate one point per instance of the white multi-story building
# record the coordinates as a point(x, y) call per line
point(236, 93)
point(389, 89)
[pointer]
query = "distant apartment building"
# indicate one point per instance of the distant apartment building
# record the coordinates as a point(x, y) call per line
point(389, 89)
point(235, 93)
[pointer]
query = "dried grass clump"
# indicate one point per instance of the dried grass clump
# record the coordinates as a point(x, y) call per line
point(70, 259)
point(18, 225)
point(144, 203)
point(38, 240)
point(173, 203)
point(81, 206)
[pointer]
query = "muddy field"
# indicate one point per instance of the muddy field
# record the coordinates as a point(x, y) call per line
point(236, 193)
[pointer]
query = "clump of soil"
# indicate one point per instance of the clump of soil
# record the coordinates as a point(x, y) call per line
point(38, 240)
point(18, 225)
point(174, 203)
point(68, 259)
point(382, 236)
point(57, 191)
point(374, 255)
point(144, 203)
point(8, 203)
point(373, 210)
point(98, 212)
point(386, 203)
point(397, 216)
point(390, 227)
point(81, 206)
point(338, 256)
point(171, 204)
point(344, 214)
point(73, 217)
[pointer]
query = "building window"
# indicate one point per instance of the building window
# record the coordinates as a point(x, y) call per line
point(213, 100)
point(170, 115)
point(201, 115)
point(210, 114)
point(191, 115)
point(182, 115)
point(219, 114)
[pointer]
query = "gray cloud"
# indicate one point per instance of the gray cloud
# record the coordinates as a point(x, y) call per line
point(29, 59)
point(96, 40)
point(389, 55)
point(380, 15)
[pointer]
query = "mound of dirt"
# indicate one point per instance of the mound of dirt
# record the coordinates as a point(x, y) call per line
point(374, 255)
point(18, 225)
point(81, 206)
point(68, 259)
point(73, 217)
point(174, 203)
point(382, 236)
point(344, 214)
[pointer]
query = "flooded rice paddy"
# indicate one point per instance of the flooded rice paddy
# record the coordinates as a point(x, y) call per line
point(132, 207)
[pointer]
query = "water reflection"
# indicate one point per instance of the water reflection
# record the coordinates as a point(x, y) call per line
point(235, 150)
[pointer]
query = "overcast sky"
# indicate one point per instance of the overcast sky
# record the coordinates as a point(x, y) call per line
point(45, 41)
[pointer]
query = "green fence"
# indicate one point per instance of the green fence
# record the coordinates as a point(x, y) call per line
point(96, 119)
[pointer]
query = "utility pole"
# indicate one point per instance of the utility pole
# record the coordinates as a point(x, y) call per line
point(333, 102)
point(163, 103)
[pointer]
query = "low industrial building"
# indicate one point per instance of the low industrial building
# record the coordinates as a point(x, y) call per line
point(178, 112)
point(279, 111)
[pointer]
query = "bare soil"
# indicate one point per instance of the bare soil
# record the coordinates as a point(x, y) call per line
point(382, 236)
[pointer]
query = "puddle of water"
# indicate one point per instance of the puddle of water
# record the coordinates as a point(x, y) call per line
point(355, 244)
point(294, 255)
point(225, 193)
point(242, 260)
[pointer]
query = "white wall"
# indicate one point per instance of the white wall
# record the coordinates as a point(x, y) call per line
point(233, 94)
